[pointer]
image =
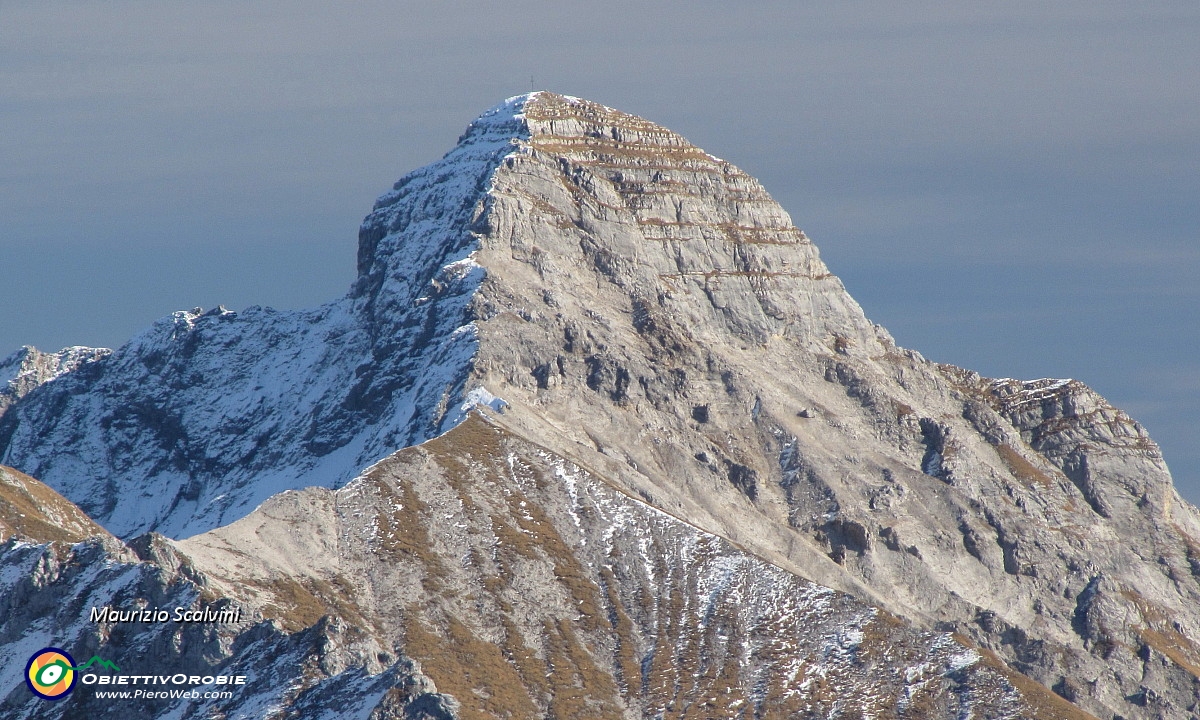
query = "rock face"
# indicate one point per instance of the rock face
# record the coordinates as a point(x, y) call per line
point(650, 316)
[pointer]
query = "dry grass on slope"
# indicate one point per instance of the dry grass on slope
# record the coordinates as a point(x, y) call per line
point(30, 510)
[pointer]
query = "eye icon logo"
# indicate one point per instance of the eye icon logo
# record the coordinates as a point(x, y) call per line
point(50, 673)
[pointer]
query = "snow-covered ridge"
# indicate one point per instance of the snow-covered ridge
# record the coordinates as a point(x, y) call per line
point(28, 368)
point(203, 415)
point(428, 214)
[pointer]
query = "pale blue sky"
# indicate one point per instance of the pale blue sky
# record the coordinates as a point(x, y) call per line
point(1011, 187)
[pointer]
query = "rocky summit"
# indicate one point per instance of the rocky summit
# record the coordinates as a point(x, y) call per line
point(594, 433)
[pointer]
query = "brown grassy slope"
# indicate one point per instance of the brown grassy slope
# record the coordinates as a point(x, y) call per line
point(29, 510)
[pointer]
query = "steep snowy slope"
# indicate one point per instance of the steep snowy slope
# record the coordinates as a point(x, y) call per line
point(204, 415)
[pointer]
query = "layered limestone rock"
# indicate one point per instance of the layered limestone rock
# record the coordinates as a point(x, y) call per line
point(649, 311)
point(646, 311)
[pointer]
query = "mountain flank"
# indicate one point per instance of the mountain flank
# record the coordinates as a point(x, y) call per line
point(479, 575)
point(579, 310)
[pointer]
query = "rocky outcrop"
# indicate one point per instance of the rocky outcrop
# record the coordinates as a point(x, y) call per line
point(29, 368)
point(648, 313)
point(1104, 452)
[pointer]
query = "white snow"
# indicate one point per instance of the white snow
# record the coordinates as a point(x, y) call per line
point(480, 396)
point(204, 415)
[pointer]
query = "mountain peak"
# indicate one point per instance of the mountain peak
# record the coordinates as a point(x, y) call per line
point(632, 200)
point(647, 311)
